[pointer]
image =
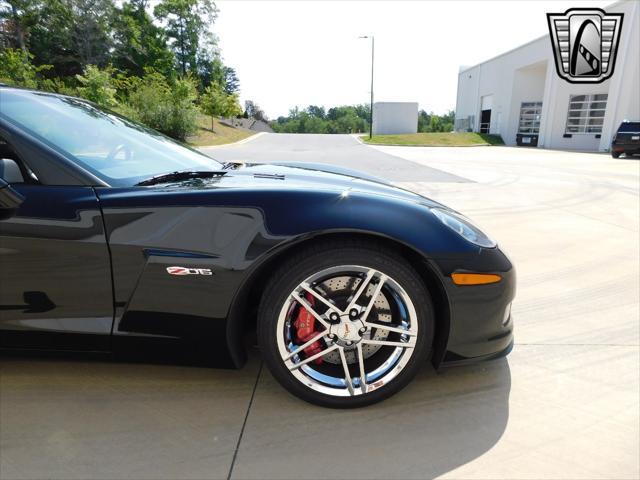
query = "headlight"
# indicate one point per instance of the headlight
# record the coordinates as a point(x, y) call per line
point(463, 227)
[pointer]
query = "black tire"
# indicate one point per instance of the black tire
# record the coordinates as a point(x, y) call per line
point(615, 154)
point(315, 258)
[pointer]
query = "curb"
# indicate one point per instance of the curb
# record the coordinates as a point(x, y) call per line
point(358, 137)
point(428, 146)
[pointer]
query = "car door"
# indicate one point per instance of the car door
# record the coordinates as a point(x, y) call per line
point(55, 272)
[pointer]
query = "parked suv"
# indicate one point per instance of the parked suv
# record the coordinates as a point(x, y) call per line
point(626, 140)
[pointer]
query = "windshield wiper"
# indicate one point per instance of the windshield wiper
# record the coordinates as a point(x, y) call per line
point(178, 176)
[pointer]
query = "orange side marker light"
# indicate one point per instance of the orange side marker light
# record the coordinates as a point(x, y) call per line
point(475, 278)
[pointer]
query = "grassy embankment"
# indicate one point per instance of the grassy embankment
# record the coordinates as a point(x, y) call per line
point(435, 139)
point(220, 135)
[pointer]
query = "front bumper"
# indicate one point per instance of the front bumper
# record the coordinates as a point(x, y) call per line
point(454, 361)
point(480, 321)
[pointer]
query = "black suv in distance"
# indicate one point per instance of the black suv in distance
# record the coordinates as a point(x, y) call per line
point(626, 140)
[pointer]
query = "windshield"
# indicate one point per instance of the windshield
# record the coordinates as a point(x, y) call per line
point(117, 150)
point(630, 127)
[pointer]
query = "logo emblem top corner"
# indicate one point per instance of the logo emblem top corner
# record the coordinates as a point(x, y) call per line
point(585, 43)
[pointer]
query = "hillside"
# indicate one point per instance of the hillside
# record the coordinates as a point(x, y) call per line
point(220, 135)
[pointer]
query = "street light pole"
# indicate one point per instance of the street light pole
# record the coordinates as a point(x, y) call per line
point(371, 108)
point(371, 104)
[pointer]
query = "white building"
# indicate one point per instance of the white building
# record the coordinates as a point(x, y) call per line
point(520, 96)
point(391, 118)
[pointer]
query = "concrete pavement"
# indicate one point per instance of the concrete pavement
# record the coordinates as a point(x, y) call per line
point(564, 404)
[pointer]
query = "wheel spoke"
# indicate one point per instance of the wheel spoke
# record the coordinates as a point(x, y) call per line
point(347, 375)
point(307, 288)
point(305, 345)
point(389, 329)
point(389, 343)
point(363, 373)
point(372, 300)
point(313, 357)
point(310, 309)
point(361, 288)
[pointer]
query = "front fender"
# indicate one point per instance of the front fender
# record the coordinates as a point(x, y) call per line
point(232, 232)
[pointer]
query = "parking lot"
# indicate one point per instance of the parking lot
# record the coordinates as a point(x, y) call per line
point(564, 404)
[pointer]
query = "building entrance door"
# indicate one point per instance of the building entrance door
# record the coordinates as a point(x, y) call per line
point(485, 121)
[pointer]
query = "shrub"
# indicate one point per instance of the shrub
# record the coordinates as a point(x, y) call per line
point(97, 86)
point(16, 68)
point(166, 107)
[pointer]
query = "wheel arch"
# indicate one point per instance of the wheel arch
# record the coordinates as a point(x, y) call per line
point(243, 311)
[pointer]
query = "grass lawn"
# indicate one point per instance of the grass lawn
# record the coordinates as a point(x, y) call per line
point(221, 133)
point(436, 139)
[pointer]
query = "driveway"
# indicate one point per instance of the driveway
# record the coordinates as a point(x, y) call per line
point(343, 150)
point(564, 404)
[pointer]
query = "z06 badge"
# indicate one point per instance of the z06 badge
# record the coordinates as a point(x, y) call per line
point(188, 271)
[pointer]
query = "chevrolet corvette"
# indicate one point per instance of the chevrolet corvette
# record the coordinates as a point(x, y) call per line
point(115, 238)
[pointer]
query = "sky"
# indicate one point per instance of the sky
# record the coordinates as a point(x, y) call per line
point(299, 53)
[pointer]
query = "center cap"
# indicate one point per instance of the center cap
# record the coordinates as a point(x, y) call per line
point(347, 330)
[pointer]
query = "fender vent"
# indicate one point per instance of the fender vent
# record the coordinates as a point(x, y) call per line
point(272, 176)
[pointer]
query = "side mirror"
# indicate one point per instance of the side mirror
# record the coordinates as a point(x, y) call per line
point(10, 200)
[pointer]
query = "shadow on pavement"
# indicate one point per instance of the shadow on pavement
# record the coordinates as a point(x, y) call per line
point(438, 423)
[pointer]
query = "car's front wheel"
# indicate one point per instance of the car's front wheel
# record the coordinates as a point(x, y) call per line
point(345, 325)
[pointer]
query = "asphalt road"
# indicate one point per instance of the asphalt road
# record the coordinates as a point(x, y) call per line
point(564, 404)
point(342, 150)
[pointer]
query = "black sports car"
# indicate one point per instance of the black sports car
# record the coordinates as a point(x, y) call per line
point(114, 238)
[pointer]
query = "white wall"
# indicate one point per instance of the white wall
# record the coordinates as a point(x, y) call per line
point(528, 73)
point(497, 77)
point(395, 118)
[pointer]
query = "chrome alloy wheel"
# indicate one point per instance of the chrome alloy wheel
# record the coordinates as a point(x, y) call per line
point(364, 335)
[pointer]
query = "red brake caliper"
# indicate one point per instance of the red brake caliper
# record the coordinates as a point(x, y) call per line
point(305, 330)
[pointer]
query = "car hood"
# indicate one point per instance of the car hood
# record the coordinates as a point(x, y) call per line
point(308, 176)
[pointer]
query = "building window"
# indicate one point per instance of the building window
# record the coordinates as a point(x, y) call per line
point(586, 113)
point(530, 118)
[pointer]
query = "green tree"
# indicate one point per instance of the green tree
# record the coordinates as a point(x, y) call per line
point(91, 30)
point(116, 54)
point(51, 38)
point(231, 81)
point(187, 24)
point(216, 102)
point(253, 110)
point(430, 122)
point(215, 71)
point(423, 121)
point(313, 119)
point(138, 43)
point(316, 111)
point(17, 18)
point(71, 34)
